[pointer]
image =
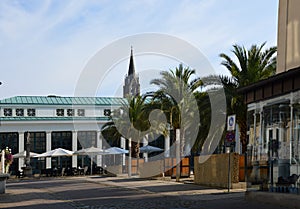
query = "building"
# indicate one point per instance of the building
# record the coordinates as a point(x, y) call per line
point(131, 83)
point(274, 109)
point(52, 122)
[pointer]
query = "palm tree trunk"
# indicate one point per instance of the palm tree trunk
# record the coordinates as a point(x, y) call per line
point(243, 132)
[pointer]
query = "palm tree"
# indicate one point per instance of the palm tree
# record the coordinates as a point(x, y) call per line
point(176, 87)
point(252, 65)
point(131, 121)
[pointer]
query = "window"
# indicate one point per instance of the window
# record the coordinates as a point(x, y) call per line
point(37, 141)
point(30, 112)
point(60, 112)
point(19, 112)
point(80, 112)
point(7, 112)
point(107, 112)
point(61, 140)
point(86, 139)
point(70, 112)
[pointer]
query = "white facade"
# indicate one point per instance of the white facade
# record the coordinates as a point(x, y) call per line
point(84, 115)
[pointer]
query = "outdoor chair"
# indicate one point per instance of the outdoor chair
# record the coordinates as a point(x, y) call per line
point(20, 174)
point(74, 171)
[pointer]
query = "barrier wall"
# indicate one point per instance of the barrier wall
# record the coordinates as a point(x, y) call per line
point(214, 171)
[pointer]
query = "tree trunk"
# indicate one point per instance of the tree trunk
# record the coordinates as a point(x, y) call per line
point(243, 131)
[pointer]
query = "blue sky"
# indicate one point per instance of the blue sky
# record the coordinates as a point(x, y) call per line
point(45, 45)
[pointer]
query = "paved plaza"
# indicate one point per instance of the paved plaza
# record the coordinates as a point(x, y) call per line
point(93, 192)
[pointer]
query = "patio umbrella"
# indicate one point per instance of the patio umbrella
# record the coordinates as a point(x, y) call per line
point(23, 154)
point(149, 149)
point(92, 151)
point(59, 152)
point(116, 150)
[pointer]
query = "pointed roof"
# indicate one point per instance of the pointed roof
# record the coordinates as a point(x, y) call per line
point(131, 70)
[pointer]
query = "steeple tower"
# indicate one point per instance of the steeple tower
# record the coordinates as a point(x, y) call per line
point(131, 83)
point(131, 70)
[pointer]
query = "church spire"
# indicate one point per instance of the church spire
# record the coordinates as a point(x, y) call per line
point(131, 83)
point(131, 70)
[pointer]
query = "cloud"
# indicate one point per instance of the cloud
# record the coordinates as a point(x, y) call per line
point(44, 45)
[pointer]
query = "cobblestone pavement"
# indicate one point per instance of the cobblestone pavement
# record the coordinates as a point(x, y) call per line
point(115, 192)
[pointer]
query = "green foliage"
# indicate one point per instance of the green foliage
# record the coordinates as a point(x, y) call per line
point(252, 66)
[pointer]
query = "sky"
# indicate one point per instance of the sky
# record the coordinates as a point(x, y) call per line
point(45, 45)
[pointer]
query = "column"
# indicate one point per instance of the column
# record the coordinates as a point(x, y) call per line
point(238, 148)
point(167, 145)
point(74, 148)
point(145, 143)
point(123, 145)
point(177, 144)
point(100, 145)
point(254, 155)
point(129, 157)
point(48, 148)
point(21, 149)
point(291, 131)
point(260, 142)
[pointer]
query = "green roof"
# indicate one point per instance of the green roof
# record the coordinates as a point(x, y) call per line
point(53, 118)
point(57, 100)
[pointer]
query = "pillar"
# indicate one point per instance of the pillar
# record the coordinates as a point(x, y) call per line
point(260, 142)
point(177, 144)
point(291, 129)
point(254, 155)
point(74, 148)
point(48, 148)
point(145, 143)
point(99, 143)
point(167, 145)
point(129, 158)
point(123, 145)
point(21, 149)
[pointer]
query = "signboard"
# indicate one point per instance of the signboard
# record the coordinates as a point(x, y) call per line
point(231, 123)
point(230, 139)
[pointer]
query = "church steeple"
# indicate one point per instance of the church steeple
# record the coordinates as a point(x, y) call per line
point(131, 83)
point(131, 70)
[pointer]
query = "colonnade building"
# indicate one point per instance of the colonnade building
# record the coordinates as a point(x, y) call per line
point(53, 122)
